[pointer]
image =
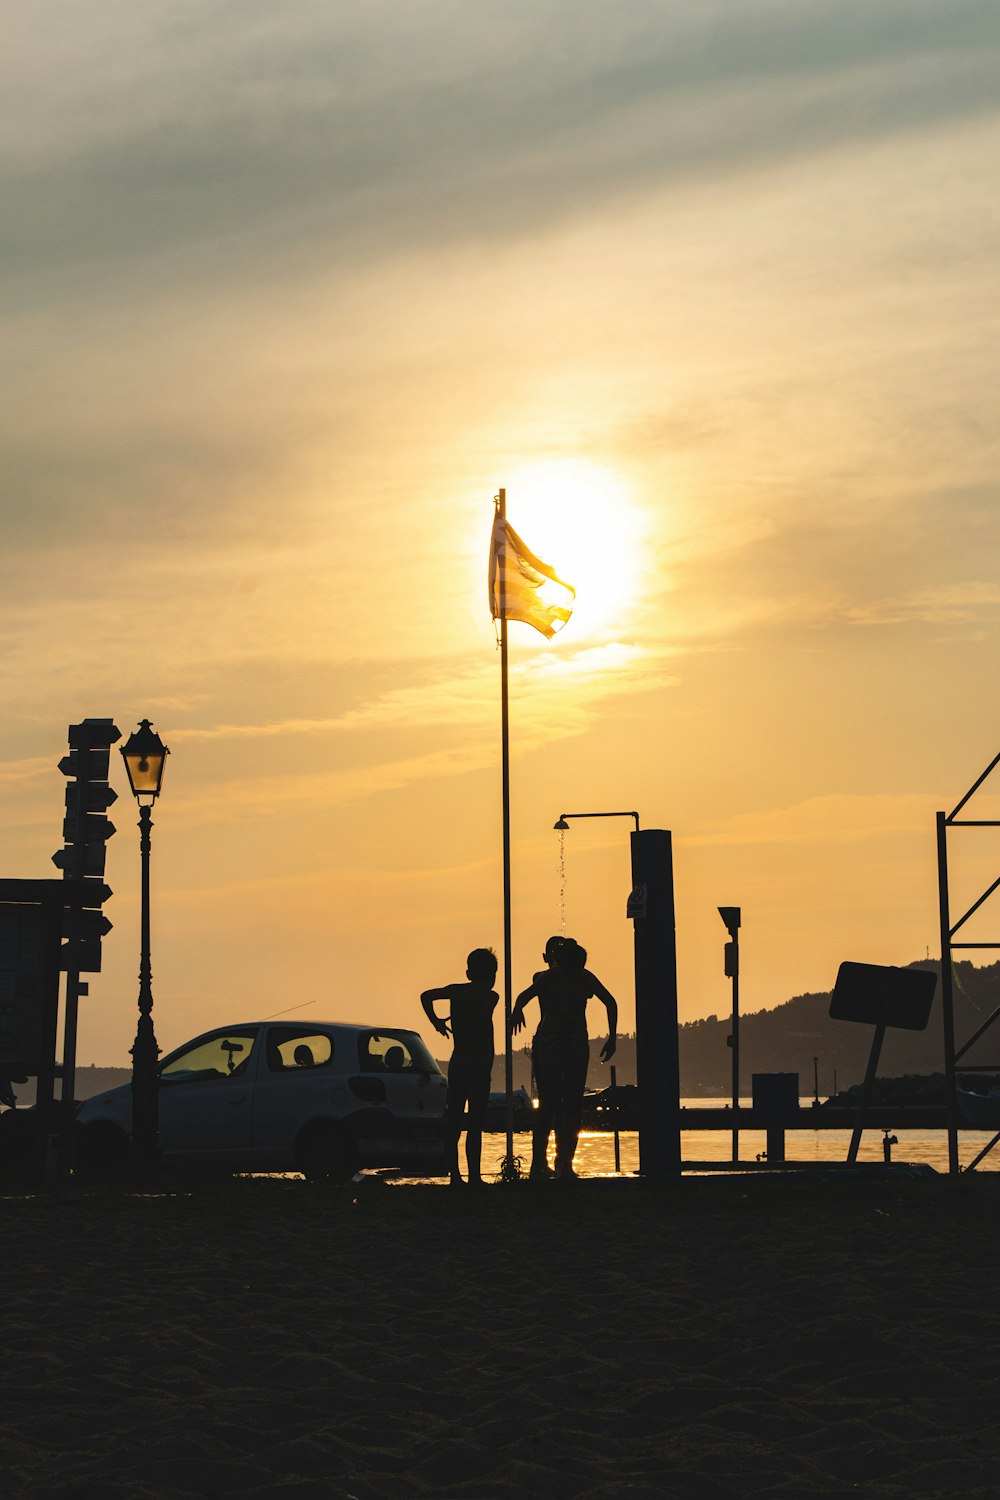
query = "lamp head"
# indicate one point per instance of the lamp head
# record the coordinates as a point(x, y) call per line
point(731, 916)
point(562, 824)
point(145, 754)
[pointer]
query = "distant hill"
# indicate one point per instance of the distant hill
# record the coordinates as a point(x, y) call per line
point(782, 1040)
point(787, 1038)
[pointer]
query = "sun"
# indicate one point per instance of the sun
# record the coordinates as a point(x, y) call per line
point(580, 518)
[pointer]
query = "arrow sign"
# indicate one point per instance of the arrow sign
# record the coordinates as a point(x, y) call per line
point(84, 958)
point(90, 926)
point(88, 764)
point(90, 828)
point(81, 859)
point(93, 734)
point(83, 892)
point(95, 796)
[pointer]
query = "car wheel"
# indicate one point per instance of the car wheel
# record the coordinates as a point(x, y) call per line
point(101, 1149)
point(326, 1153)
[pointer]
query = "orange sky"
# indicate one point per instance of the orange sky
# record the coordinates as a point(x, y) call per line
point(291, 292)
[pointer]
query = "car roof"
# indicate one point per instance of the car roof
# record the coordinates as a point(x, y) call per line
point(356, 1026)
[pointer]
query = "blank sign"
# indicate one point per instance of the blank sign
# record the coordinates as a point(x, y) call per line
point(883, 996)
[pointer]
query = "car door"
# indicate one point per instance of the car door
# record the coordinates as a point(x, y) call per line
point(414, 1087)
point(295, 1085)
point(206, 1099)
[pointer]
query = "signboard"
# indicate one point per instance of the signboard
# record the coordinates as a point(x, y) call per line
point(22, 979)
point(880, 995)
point(637, 900)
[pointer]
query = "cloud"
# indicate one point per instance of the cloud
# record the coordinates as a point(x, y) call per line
point(14, 773)
point(843, 819)
point(555, 693)
point(958, 603)
point(350, 128)
point(555, 697)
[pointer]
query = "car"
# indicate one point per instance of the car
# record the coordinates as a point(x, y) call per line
point(325, 1099)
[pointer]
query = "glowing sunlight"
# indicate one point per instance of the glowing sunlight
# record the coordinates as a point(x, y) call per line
point(579, 517)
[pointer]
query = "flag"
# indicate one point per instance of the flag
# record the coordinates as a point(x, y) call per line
point(517, 581)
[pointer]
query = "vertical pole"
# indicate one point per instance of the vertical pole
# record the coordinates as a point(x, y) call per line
point(74, 989)
point(45, 1110)
point(505, 781)
point(866, 1091)
point(618, 1148)
point(145, 1083)
point(815, 1080)
point(947, 995)
point(656, 1041)
point(736, 1045)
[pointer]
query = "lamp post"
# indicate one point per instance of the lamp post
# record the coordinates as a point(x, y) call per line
point(145, 756)
point(731, 917)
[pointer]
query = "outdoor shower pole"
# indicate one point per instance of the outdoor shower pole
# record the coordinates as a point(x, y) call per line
point(657, 1062)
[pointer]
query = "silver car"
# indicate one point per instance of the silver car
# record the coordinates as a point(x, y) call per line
point(323, 1099)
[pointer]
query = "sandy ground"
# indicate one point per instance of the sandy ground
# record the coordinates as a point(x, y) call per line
point(730, 1338)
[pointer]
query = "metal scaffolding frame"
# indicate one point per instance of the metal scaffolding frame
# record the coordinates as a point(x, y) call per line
point(952, 1056)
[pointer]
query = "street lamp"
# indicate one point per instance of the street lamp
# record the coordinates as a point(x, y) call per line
point(145, 755)
point(731, 918)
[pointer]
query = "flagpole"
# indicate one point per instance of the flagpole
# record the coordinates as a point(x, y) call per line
point(508, 998)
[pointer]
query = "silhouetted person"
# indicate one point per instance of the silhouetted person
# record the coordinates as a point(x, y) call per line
point(560, 1050)
point(472, 1007)
point(302, 1056)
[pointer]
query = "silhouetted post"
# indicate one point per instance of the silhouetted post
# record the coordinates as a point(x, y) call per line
point(866, 1093)
point(508, 991)
point(815, 1080)
point(651, 905)
point(145, 756)
point(947, 994)
point(145, 1052)
point(731, 917)
point(618, 1149)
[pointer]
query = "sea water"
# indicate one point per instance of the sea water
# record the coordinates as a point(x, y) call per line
point(595, 1155)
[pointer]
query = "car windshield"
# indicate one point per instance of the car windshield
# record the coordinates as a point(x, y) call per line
point(394, 1052)
point(225, 1055)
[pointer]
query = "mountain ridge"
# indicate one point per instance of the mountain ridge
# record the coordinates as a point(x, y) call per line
point(784, 1039)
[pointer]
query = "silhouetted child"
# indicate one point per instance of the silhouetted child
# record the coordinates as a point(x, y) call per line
point(560, 1050)
point(472, 1007)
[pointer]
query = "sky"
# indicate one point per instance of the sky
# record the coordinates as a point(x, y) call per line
point(292, 290)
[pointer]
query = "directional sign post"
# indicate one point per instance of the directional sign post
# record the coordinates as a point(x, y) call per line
point(86, 832)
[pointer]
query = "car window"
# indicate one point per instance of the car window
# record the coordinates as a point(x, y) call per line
point(292, 1050)
point(394, 1052)
point(224, 1056)
point(378, 1053)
